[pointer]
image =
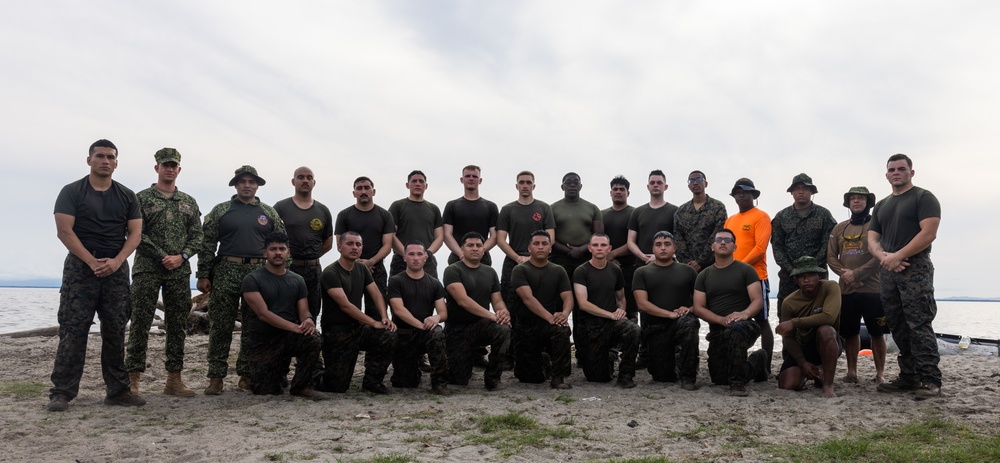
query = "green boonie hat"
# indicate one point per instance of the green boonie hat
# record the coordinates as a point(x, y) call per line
point(806, 264)
point(167, 155)
point(859, 190)
point(805, 180)
point(745, 184)
point(246, 170)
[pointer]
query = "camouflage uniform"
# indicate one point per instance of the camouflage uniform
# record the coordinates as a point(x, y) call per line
point(462, 338)
point(534, 338)
point(411, 345)
point(81, 296)
point(341, 345)
point(794, 236)
point(693, 230)
point(908, 299)
point(227, 279)
point(270, 356)
point(170, 226)
point(598, 336)
point(663, 340)
point(727, 353)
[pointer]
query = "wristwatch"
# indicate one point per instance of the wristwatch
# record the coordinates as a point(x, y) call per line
point(185, 256)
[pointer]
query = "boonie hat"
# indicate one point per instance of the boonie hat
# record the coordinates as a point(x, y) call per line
point(246, 170)
point(805, 180)
point(806, 264)
point(167, 155)
point(745, 184)
point(859, 190)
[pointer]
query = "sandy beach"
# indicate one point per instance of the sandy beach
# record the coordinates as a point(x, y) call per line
point(587, 423)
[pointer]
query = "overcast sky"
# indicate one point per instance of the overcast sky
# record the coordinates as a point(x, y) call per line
point(758, 89)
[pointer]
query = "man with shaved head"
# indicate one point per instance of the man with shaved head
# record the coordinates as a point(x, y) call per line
point(310, 232)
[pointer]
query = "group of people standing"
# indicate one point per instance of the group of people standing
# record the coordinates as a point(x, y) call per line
point(629, 285)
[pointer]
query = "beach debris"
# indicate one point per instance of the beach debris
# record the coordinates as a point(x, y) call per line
point(633, 423)
point(363, 416)
point(591, 399)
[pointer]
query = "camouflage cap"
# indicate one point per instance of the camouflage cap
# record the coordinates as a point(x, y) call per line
point(246, 170)
point(745, 184)
point(806, 264)
point(805, 180)
point(859, 190)
point(167, 155)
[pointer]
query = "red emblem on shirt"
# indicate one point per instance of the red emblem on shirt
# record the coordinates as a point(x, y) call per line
point(262, 219)
point(537, 217)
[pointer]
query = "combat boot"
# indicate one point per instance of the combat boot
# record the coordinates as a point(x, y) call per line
point(133, 382)
point(175, 385)
point(214, 386)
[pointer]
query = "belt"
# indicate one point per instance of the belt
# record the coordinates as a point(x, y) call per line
point(304, 262)
point(103, 254)
point(243, 260)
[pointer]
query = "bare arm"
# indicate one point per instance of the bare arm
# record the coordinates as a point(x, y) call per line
point(340, 298)
point(634, 248)
point(458, 294)
point(451, 242)
point(528, 298)
point(507, 249)
point(587, 306)
point(327, 245)
point(402, 313)
point(701, 311)
point(490, 240)
point(64, 230)
point(642, 302)
point(438, 240)
point(259, 307)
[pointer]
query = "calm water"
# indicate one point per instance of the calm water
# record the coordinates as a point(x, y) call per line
point(30, 308)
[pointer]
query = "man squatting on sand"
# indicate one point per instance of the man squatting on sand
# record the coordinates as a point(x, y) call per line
point(101, 222)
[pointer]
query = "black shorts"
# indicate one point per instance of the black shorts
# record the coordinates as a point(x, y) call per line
point(854, 307)
point(765, 288)
point(811, 354)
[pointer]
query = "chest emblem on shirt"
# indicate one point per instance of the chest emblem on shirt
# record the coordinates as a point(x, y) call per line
point(262, 219)
point(537, 216)
point(316, 224)
point(746, 227)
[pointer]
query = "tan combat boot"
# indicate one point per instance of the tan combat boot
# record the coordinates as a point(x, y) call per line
point(214, 386)
point(175, 386)
point(133, 382)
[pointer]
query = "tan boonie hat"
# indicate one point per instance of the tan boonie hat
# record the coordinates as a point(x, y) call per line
point(859, 190)
point(805, 180)
point(246, 170)
point(806, 264)
point(167, 155)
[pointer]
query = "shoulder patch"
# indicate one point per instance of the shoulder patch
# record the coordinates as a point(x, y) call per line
point(262, 219)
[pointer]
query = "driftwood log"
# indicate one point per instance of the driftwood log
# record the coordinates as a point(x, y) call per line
point(197, 321)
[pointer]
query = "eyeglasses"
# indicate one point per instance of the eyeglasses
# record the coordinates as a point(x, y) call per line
point(696, 180)
point(723, 239)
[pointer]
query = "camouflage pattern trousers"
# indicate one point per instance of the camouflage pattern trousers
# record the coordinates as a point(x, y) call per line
point(597, 337)
point(411, 344)
point(310, 273)
point(461, 341)
point(81, 296)
point(908, 301)
point(664, 339)
point(341, 345)
point(176, 308)
point(269, 356)
point(223, 304)
point(727, 351)
point(534, 338)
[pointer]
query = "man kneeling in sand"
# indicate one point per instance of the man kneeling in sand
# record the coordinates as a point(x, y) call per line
point(810, 319)
point(279, 325)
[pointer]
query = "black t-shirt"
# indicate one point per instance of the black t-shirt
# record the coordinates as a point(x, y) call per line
point(616, 227)
point(352, 282)
point(668, 288)
point(307, 228)
point(281, 293)
point(897, 218)
point(466, 216)
point(601, 286)
point(480, 283)
point(371, 225)
point(418, 296)
point(415, 220)
point(100, 217)
point(726, 288)
point(546, 283)
point(646, 221)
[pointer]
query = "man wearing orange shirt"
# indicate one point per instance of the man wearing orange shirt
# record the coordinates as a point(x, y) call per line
point(752, 227)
